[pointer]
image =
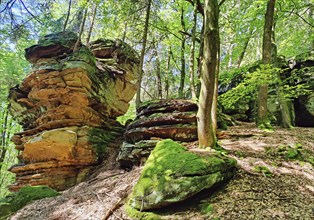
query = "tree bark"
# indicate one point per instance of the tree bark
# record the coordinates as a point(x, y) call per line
point(68, 15)
point(192, 53)
point(125, 31)
point(4, 136)
point(182, 78)
point(311, 30)
point(207, 109)
point(138, 94)
point(167, 73)
point(158, 75)
point(262, 119)
point(245, 45)
point(77, 44)
point(200, 62)
point(92, 24)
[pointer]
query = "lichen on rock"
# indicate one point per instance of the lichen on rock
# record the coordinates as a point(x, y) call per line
point(172, 174)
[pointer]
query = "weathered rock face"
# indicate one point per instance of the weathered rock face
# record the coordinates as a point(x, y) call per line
point(173, 174)
point(296, 73)
point(67, 107)
point(161, 119)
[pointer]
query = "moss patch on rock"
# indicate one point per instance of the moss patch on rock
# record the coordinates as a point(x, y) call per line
point(15, 201)
point(136, 214)
point(173, 174)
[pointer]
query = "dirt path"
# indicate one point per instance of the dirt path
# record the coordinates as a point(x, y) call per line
point(268, 185)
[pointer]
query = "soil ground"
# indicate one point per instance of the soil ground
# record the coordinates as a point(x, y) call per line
point(267, 185)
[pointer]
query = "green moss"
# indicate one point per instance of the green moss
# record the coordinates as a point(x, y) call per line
point(15, 201)
point(65, 38)
point(206, 208)
point(172, 174)
point(135, 214)
point(83, 54)
point(264, 170)
point(100, 139)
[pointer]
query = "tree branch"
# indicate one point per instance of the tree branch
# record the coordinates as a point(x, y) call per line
point(297, 14)
point(30, 12)
point(189, 35)
point(200, 7)
point(8, 5)
point(220, 4)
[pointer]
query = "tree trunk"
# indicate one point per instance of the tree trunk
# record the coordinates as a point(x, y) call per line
point(200, 62)
point(77, 44)
point(284, 103)
point(311, 30)
point(68, 15)
point(182, 79)
point(92, 23)
point(230, 61)
point(158, 75)
point(167, 73)
point(192, 53)
point(138, 94)
point(246, 43)
point(125, 31)
point(262, 119)
point(207, 109)
point(4, 136)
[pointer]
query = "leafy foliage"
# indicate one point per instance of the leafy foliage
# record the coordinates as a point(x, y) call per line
point(246, 90)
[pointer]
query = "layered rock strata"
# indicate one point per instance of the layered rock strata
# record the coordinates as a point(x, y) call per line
point(156, 120)
point(67, 107)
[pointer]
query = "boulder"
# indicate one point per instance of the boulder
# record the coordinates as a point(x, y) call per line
point(51, 45)
point(156, 120)
point(173, 174)
point(118, 67)
point(135, 154)
point(67, 106)
point(161, 119)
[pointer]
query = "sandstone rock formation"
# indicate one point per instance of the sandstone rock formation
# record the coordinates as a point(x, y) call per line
point(172, 174)
point(160, 119)
point(67, 106)
point(297, 74)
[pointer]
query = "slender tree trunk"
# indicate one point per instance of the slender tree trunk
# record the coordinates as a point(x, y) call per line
point(125, 31)
point(284, 103)
point(68, 15)
point(245, 45)
point(4, 136)
point(311, 30)
point(207, 109)
point(200, 62)
point(92, 23)
point(158, 75)
point(77, 44)
point(167, 73)
point(230, 61)
point(192, 52)
point(262, 119)
point(182, 79)
point(138, 94)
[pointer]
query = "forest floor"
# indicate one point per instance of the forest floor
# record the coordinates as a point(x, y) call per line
point(274, 181)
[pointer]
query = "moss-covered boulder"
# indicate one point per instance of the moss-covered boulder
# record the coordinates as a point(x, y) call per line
point(173, 174)
point(15, 201)
point(52, 45)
